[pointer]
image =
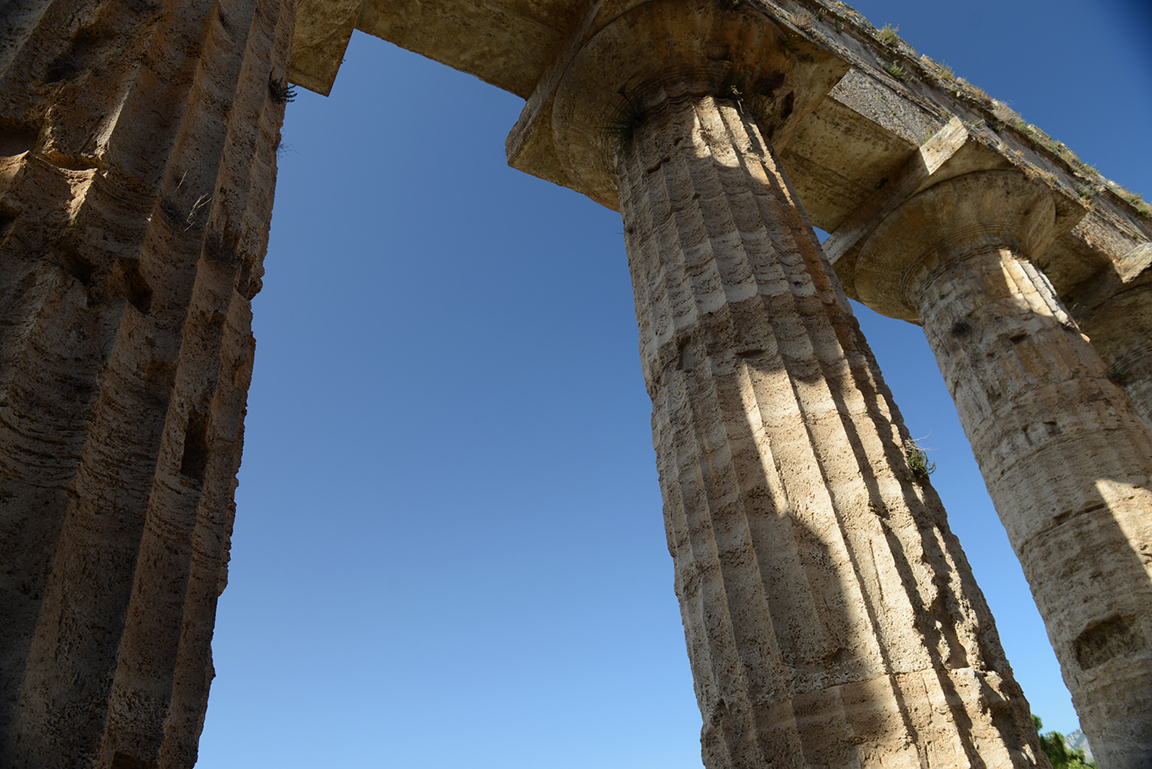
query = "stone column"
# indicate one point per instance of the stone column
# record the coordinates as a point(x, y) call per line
point(1067, 460)
point(830, 615)
point(137, 167)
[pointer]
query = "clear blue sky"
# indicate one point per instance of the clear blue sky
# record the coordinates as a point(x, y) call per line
point(449, 549)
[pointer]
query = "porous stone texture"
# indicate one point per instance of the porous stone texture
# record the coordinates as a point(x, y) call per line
point(830, 615)
point(1067, 459)
point(137, 167)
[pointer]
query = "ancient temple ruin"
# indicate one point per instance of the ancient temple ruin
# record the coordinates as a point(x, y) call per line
point(830, 615)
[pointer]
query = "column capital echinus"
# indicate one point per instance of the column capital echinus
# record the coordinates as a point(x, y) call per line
point(670, 49)
point(950, 222)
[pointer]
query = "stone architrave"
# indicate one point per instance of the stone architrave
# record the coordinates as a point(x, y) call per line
point(1067, 460)
point(137, 168)
point(830, 615)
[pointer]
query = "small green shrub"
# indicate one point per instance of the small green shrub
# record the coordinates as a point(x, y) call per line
point(1087, 191)
point(896, 71)
point(918, 461)
point(1056, 749)
point(1136, 202)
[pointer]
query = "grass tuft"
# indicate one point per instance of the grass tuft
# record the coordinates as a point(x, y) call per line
point(281, 91)
point(896, 71)
point(918, 461)
point(889, 36)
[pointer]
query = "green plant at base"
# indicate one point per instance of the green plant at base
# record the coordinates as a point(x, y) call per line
point(627, 115)
point(1059, 754)
point(787, 46)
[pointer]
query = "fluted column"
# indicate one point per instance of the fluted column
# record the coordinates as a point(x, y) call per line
point(137, 167)
point(1067, 460)
point(830, 615)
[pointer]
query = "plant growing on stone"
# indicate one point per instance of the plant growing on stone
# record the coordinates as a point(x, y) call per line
point(281, 91)
point(938, 70)
point(736, 86)
point(968, 91)
point(1136, 202)
point(1087, 191)
point(787, 46)
point(1023, 127)
point(889, 36)
point(896, 71)
point(803, 19)
point(918, 461)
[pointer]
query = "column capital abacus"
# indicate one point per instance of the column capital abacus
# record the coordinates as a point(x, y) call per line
point(949, 222)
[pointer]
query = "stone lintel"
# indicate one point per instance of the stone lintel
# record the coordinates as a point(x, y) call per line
point(873, 121)
point(616, 52)
point(951, 152)
point(321, 36)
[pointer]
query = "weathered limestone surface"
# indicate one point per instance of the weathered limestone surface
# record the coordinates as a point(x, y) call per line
point(137, 165)
point(830, 616)
point(1067, 460)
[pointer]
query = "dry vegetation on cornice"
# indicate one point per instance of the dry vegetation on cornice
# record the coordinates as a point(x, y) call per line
point(843, 30)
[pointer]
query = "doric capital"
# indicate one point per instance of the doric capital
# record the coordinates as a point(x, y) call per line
point(667, 47)
point(974, 213)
